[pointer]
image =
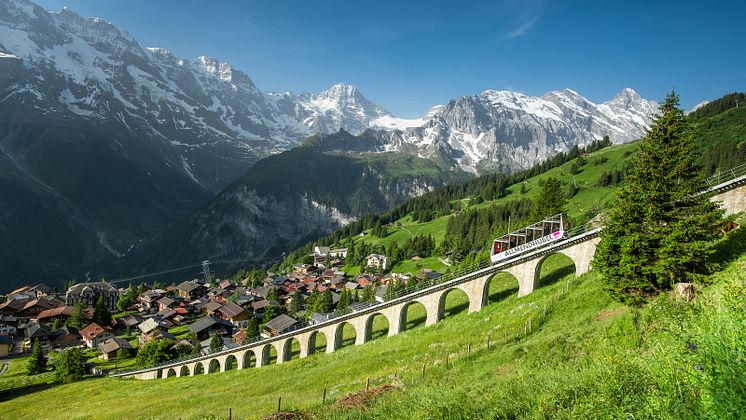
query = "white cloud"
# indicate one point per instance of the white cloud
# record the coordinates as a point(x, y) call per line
point(523, 27)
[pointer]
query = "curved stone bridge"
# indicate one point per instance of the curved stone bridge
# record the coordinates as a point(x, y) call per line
point(525, 268)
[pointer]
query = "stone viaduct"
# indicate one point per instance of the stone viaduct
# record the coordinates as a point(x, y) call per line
point(525, 268)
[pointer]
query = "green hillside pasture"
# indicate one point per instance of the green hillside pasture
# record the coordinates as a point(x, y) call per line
point(254, 392)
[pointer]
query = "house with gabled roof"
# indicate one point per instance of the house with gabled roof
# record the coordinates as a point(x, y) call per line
point(191, 290)
point(110, 347)
point(278, 325)
point(94, 334)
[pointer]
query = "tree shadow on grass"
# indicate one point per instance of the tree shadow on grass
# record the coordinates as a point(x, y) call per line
point(730, 248)
point(9, 394)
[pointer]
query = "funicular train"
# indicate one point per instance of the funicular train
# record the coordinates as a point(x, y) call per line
point(529, 238)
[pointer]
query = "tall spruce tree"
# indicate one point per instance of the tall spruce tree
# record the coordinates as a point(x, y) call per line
point(101, 314)
point(551, 200)
point(659, 233)
point(38, 362)
point(78, 317)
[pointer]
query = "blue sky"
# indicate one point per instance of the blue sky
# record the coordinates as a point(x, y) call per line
point(407, 56)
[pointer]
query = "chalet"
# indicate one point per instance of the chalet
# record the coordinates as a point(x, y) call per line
point(64, 337)
point(212, 308)
point(167, 314)
point(304, 268)
point(6, 344)
point(191, 290)
point(94, 334)
point(218, 293)
point(204, 327)
point(34, 307)
point(259, 306)
point(148, 326)
point(12, 306)
point(278, 325)
point(129, 320)
point(110, 347)
point(35, 332)
point(156, 334)
point(227, 285)
point(89, 294)
point(149, 299)
point(376, 261)
point(50, 315)
point(41, 290)
point(234, 313)
point(166, 303)
point(240, 337)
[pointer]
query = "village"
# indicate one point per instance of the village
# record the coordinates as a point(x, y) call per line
point(124, 327)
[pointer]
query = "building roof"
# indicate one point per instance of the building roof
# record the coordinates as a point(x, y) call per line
point(114, 344)
point(259, 304)
point(231, 310)
point(13, 305)
point(93, 330)
point(148, 325)
point(166, 301)
point(188, 286)
point(43, 288)
point(63, 331)
point(280, 323)
point(37, 331)
point(202, 324)
point(6, 339)
point(61, 311)
point(213, 306)
point(42, 303)
point(318, 317)
point(96, 286)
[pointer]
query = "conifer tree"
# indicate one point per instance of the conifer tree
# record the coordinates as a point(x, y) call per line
point(216, 343)
point(101, 314)
point(297, 303)
point(344, 301)
point(660, 231)
point(78, 318)
point(551, 200)
point(252, 328)
point(38, 362)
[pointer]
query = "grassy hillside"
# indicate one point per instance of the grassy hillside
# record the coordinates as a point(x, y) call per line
point(584, 357)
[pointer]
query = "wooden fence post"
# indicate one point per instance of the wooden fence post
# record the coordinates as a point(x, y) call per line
point(423, 370)
point(488, 341)
point(323, 398)
point(367, 384)
point(279, 404)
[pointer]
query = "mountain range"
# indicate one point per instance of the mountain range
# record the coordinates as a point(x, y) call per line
point(104, 143)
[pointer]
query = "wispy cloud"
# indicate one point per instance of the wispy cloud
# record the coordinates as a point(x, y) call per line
point(523, 28)
point(526, 14)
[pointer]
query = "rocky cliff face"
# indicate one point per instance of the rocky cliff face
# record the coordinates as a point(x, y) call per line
point(289, 199)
